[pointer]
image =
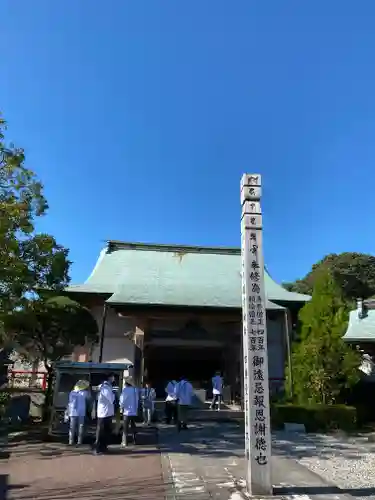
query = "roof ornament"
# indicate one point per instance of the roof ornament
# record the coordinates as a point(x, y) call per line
point(361, 308)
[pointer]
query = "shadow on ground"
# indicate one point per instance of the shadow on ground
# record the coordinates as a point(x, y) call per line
point(228, 440)
point(5, 487)
point(220, 440)
point(36, 445)
point(124, 490)
point(325, 490)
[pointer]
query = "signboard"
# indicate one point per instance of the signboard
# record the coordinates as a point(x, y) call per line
point(255, 353)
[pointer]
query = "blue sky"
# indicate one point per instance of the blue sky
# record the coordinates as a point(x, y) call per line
point(141, 116)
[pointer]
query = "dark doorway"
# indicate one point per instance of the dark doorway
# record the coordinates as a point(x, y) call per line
point(197, 364)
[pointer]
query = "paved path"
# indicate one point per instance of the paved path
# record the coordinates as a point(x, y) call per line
point(47, 471)
point(203, 463)
point(207, 462)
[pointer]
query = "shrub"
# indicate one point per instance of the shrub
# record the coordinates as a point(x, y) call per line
point(4, 400)
point(323, 364)
point(315, 417)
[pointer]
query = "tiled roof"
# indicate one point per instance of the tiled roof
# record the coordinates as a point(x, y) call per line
point(361, 329)
point(176, 276)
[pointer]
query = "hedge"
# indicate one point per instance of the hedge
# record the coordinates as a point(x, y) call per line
point(315, 418)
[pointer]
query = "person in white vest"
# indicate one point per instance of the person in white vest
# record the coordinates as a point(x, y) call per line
point(129, 405)
point(184, 393)
point(217, 391)
point(105, 413)
point(76, 412)
point(148, 396)
point(171, 402)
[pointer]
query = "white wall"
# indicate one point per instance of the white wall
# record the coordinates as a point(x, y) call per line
point(117, 347)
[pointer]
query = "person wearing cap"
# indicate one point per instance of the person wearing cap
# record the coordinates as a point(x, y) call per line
point(105, 412)
point(129, 405)
point(76, 411)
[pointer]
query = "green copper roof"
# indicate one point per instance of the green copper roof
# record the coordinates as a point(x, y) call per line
point(174, 275)
point(360, 329)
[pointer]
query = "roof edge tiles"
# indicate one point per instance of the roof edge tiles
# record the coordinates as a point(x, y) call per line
point(165, 247)
point(360, 329)
point(174, 275)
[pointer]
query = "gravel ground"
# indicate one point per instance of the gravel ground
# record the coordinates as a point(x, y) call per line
point(348, 462)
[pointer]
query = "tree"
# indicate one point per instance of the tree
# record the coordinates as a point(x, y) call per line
point(353, 272)
point(49, 330)
point(323, 365)
point(29, 262)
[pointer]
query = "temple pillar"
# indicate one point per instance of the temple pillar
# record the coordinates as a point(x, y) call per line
point(139, 341)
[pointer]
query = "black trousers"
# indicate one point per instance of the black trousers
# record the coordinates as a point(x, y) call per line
point(103, 433)
point(128, 427)
point(217, 399)
point(170, 411)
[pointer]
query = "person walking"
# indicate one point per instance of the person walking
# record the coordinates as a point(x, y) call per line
point(217, 391)
point(129, 405)
point(148, 396)
point(184, 393)
point(171, 402)
point(78, 404)
point(105, 413)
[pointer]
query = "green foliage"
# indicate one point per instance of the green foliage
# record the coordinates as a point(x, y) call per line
point(28, 261)
point(50, 329)
point(323, 365)
point(353, 272)
point(315, 417)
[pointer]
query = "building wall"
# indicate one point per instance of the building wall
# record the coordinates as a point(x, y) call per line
point(118, 346)
point(119, 343)
point(276, 347)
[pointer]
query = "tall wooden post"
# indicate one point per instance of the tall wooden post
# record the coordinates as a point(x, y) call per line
point(255, 352)
point(102, 332)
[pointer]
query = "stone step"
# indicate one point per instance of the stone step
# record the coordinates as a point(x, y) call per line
point(225, 414)
point(160, 405)
point(204, 413)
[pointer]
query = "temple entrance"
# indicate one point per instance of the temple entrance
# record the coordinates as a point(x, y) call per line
point(197, 364)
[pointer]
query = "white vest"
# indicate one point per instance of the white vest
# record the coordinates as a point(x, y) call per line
point(77, 403)
point(184, 392)
point(106, 399)
point(171, 391)
point(217, 385)
point(129, 401)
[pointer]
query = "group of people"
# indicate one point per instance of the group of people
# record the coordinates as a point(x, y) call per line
point(132, 401)
point(179, 396)
point(80, 406)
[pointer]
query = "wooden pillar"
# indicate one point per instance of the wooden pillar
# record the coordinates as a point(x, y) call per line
point(139, 340)
point(287, 330)
point(102, 332)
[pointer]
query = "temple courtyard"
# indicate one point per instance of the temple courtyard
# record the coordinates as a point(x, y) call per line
point(206, 462)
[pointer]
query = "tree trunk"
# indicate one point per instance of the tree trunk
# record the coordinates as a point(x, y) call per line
point(48, 394)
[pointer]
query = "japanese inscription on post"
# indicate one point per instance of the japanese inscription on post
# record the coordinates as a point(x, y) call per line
point(256, 387)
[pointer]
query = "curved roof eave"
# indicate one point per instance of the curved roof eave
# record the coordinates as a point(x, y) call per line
point(130, 271)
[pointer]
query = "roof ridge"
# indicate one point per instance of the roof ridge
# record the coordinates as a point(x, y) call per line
point(177, 248)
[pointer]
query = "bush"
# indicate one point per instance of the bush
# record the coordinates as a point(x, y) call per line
point(4, 401)
point(316, 417)
point(323, 364)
